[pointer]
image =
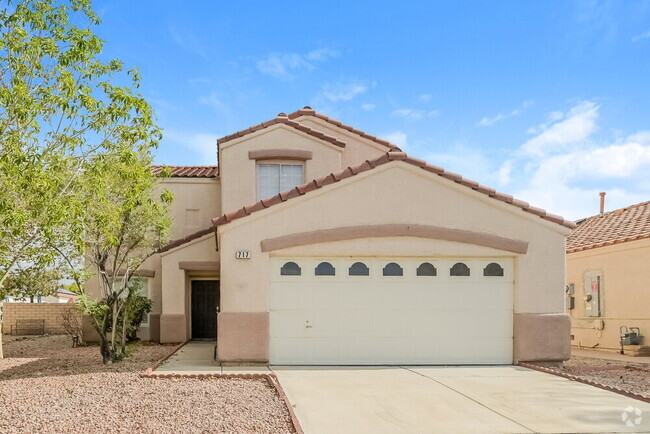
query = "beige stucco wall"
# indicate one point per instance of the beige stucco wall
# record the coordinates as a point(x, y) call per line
point(625, 292)
point(357, 149)
point(237, 171)
point(395, 193)
point(196, 202)
point(175, 282)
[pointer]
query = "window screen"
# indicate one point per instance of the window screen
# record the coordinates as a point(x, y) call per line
point(275, 178)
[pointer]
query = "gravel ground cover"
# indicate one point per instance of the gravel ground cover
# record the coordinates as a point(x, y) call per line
point(46, 386)
point(628, 376)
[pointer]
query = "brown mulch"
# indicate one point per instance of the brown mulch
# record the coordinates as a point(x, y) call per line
point(627, 376)
point(47, 386)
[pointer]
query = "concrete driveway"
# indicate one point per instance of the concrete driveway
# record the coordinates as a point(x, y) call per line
point(499, 399)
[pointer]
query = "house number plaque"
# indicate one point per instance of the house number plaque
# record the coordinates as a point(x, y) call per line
point(243, 254)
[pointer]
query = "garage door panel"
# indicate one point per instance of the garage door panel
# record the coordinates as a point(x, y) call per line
point(321, 297)
point(380, 319)
point(322, 351)
point(288, 351)
point(321, 324)
point(287, 295)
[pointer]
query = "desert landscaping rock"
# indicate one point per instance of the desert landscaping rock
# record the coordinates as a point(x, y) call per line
point(46, 386)
point(627, 376)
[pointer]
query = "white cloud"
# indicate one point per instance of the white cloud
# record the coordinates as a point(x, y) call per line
point(344, 90)
point(398, 138)
point(322, 54)
point(203, 145)
point(284, 66)
point(564, 167)
point(572, 128)
point(413, 114)
point(368, 107)
point(489, 121)
point(425, 97)
point(644, 35)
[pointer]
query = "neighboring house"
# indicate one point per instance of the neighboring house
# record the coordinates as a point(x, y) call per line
point(62, 296)
point(331, 246)
point(608, 271)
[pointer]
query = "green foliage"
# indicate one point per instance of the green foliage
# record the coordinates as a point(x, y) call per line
point(59, 116)
point(31, 282)
point(75, 151)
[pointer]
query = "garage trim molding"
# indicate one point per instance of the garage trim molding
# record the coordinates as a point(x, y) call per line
point(394, 230)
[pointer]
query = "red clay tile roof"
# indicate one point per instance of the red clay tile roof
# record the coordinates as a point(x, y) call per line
point(308, 111)
point(283, 119)
point(189, 171)
point(185, 239)
point(371, 164)
point(614, 227)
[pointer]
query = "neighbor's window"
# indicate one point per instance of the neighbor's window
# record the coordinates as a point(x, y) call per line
point(275, 178)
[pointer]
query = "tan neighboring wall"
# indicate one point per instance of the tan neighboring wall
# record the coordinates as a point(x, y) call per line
point(50, 312)
point(625, 293)
point(402, 194)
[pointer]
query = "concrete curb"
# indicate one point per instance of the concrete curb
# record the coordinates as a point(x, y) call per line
point(583, 381)
point(149, 371)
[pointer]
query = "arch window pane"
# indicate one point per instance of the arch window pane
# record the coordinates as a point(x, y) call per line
point(426, 269)
point(493, 269)
point(325, 269)
point(393, 269)
point(290, 269)
point(459, 269)
point(359, 269)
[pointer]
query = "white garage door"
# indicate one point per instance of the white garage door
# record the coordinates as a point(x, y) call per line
point(364, 311)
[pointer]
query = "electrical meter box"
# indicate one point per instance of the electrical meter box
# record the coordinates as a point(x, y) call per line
point(593, 293)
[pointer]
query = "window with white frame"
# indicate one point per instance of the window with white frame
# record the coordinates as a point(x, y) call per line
point(275, 178)
point(142, 284)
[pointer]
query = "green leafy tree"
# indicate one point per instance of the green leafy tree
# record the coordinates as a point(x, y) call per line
point(126, 223)
point(28, 283)
point(61, 113)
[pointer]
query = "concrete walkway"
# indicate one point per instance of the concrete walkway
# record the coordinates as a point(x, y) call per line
point(196, 357)
point(499, 399)
point(606, 355)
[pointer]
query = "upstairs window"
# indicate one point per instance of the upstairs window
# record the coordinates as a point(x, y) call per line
point(275, 178)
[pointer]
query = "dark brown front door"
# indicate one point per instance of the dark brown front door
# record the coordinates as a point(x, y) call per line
point(205, 300)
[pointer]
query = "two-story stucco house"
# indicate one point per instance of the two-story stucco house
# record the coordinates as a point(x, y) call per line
point(313, 242)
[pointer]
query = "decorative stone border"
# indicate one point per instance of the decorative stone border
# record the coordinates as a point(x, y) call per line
point(583, 381)
point(149, 371)
point(271, 379)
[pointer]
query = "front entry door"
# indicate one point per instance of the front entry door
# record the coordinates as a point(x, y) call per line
point(205, 301)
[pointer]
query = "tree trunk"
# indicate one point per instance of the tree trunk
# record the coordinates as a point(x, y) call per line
point(124, 338)
point(2, 303)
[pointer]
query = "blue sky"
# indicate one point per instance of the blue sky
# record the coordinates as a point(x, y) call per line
point(549, 101)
